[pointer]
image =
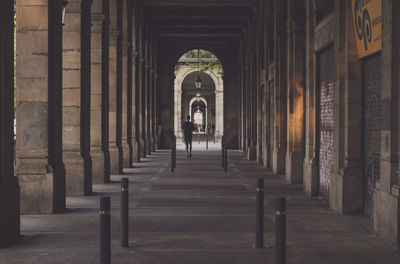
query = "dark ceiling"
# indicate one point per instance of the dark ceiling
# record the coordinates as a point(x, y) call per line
point(203, 20)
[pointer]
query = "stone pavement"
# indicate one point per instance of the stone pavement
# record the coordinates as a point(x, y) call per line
point(199, 214)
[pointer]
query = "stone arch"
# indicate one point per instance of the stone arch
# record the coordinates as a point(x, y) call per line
point(180, 76)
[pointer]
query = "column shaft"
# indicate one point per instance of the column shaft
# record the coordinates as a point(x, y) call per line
point(9, 187)
point(76, 97)
point(40, 168)
point(96, 147)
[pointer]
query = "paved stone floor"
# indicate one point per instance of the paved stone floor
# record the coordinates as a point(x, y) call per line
point(199, 214)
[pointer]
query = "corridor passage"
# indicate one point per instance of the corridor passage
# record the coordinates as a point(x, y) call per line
point(199, 214)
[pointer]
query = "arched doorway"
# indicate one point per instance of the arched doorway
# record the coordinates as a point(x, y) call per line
point(208, 98)
point(199, 114)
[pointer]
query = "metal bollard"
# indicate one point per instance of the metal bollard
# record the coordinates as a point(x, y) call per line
point(207, 141)
point(226, 159)
point(280, 231)
point(105, 230)
point(125, 212)
point(174, 156)
point(172, 159)
point(198, 137)
point(260, 213)
point(222, 156)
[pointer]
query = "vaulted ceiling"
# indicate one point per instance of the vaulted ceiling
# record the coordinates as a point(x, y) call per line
point(201, 20)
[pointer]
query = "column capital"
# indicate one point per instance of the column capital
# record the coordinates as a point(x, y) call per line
point(114, 34)
point(73, 6)
point(98, 18)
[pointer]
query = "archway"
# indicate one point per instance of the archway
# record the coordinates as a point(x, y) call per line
point(211, 91)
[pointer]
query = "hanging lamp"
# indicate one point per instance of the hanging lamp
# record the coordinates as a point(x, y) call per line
point(198, 81)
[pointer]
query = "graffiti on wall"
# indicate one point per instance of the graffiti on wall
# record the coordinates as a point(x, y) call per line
point(326, 136)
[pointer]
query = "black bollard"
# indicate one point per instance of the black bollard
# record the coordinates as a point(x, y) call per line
point(174, 156)
point(280, 231)
point(222, 155)
point(125, 212)
point(226, 159)
point(207, 141)
point(105, 230)
point(260, 213)
point(198, 137)
point(172, 159)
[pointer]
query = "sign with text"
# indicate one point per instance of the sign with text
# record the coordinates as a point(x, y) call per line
point(367, 19)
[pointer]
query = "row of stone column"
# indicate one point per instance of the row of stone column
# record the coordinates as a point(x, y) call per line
point(81, 87)
point(284, 86)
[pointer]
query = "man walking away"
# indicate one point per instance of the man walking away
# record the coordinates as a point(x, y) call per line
point(187, 128)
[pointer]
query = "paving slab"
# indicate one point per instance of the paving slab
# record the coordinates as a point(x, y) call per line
point(199, 214)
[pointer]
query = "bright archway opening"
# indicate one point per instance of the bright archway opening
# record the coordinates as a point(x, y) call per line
point(198, 93)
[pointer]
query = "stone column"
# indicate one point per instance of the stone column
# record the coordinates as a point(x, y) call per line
point(140, 94)
point(178, 106)
point(243, 103)
point(120, 84)
point(135, 108)
point(113, 104)
point(219, 109)
point(9, 187)
point(125, 121)
point(146, 96)
point(151, 141)
point(155, 113)
point(105, 91)
point(39, 108)
point(76, 97)
point(96, 146)
point(280, 110)
point(130, 81)
point(387, 192)
point(310, 165)
point(114, 153)
point(295, 92)
point(346, 184)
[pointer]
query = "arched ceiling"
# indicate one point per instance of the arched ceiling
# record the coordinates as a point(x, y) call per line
point(202, 21)
point(207, 83)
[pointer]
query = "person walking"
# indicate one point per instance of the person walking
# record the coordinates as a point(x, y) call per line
point(188, 128)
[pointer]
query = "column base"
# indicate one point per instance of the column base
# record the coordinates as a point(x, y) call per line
point(151, 143)
point(154, 145)
point(346, 190)
point(251, 153)
point(10, 215)
point(75, 173)
point(294, 167)
point(126, 157)
point(135, 151)
point(279, 158)
point(98, 169)
point(114, 160)
point(148, 146)
point(37, 193)
point(310, 177)
point(387, 214)
point(142, 149)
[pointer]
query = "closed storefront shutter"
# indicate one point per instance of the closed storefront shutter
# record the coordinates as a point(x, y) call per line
point(326, 119)
point(371, 128)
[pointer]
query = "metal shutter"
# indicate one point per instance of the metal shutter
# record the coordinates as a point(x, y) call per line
point(326, 118)
point(371, 128)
